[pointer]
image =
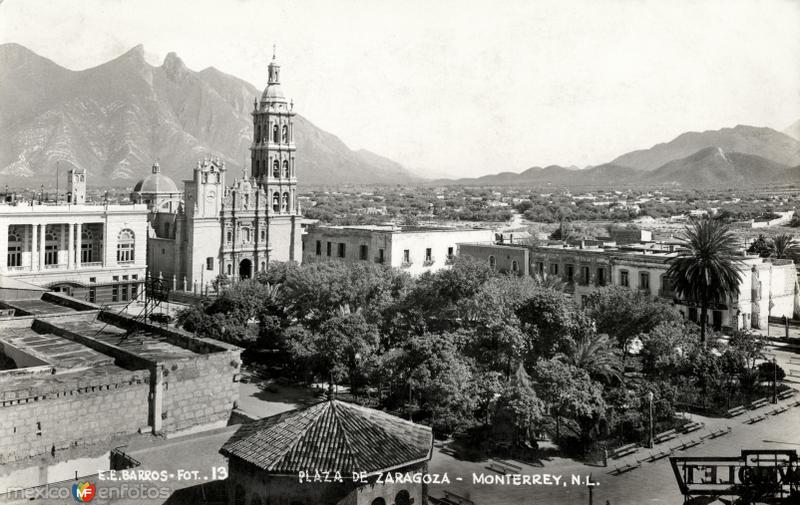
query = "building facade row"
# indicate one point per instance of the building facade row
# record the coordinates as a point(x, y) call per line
point(767, 287)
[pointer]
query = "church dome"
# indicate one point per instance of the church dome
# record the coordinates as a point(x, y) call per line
point(156, 183)
point(272, 93)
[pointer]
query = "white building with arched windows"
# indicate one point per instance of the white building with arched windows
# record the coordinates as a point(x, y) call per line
point(95, 252)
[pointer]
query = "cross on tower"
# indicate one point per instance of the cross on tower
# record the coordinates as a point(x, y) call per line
point(273, 50)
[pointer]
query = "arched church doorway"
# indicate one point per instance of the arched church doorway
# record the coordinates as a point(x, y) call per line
point(245, 269)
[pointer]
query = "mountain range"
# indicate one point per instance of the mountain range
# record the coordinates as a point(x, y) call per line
point(722, 158)
point(117, 118)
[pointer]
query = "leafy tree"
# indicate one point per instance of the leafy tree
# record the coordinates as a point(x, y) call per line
point(518, 413)
point(496, 341)
point(749, 345)
point(440, 379)
point(706, 271)
point(571, 395)
point(769, 371)
point(552, 324)
point(665, 349)
point(338, 350)
point(761, 246)
point(623, 313)
point(563, 232)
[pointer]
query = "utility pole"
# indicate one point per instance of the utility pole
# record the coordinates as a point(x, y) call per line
point(650, 441)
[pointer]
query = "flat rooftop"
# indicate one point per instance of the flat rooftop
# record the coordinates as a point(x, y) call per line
point(144, 344)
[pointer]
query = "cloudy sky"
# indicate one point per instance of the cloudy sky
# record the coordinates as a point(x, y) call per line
point(465, 87)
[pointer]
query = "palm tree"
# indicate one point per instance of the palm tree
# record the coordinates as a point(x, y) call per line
point(597, 355)
point(706, 270)
point(784, 246)
point(545, 280)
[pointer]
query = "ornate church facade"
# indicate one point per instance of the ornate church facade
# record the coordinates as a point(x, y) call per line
point(232, 230)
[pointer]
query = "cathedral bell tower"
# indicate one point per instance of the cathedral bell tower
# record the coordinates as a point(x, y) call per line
point(272, 153)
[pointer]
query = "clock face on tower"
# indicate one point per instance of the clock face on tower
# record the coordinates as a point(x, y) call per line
point(211, 195)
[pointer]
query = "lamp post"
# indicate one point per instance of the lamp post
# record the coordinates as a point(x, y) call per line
point(774, 380)
point(650, 441)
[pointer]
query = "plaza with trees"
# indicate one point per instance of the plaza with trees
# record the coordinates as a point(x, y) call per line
point(498, 361)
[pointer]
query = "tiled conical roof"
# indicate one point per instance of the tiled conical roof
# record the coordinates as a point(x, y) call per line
point(330, 436)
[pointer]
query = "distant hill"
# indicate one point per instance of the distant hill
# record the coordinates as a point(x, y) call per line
point(117, 118)
point(692, 159)
point(713, 166)
point(764, 142)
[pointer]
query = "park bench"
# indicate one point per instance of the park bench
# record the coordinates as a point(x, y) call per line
point(691, 443)
point(454, 499)
point(504, 467)
point(622, 451)
point(663, 453)
point(719, 432)
point(786, 394)
point(627, 467)
point(692, 426)
point(736, 411)
point(665, 436)
point(761, 402)
point(756, 419)
point(779, 409)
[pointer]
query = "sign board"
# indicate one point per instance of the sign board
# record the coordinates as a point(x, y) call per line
point(759, 476)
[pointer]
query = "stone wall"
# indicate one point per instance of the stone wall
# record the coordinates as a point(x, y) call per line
point(199, 391)
point(74, 412)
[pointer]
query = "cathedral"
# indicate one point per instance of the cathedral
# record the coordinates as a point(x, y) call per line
point(232, 230)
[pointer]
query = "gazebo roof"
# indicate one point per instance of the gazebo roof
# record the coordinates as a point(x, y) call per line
point(331, 436)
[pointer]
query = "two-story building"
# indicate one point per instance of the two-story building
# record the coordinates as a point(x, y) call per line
point(95, 252)
point(416, 249)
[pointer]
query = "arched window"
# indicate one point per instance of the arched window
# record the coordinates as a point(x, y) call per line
point(378, 501)
point(402, 498)
point(258, 134)
point(246, 235)
point(229, 269)
point(285, 202)
point(285, 134)
point(125, 246)
point(276, 172)
point(14, 258)
point(492, 262)
point(229, 236)
point(275, 133)
point(276, 202)
point(514, 266)
point(286, 169)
